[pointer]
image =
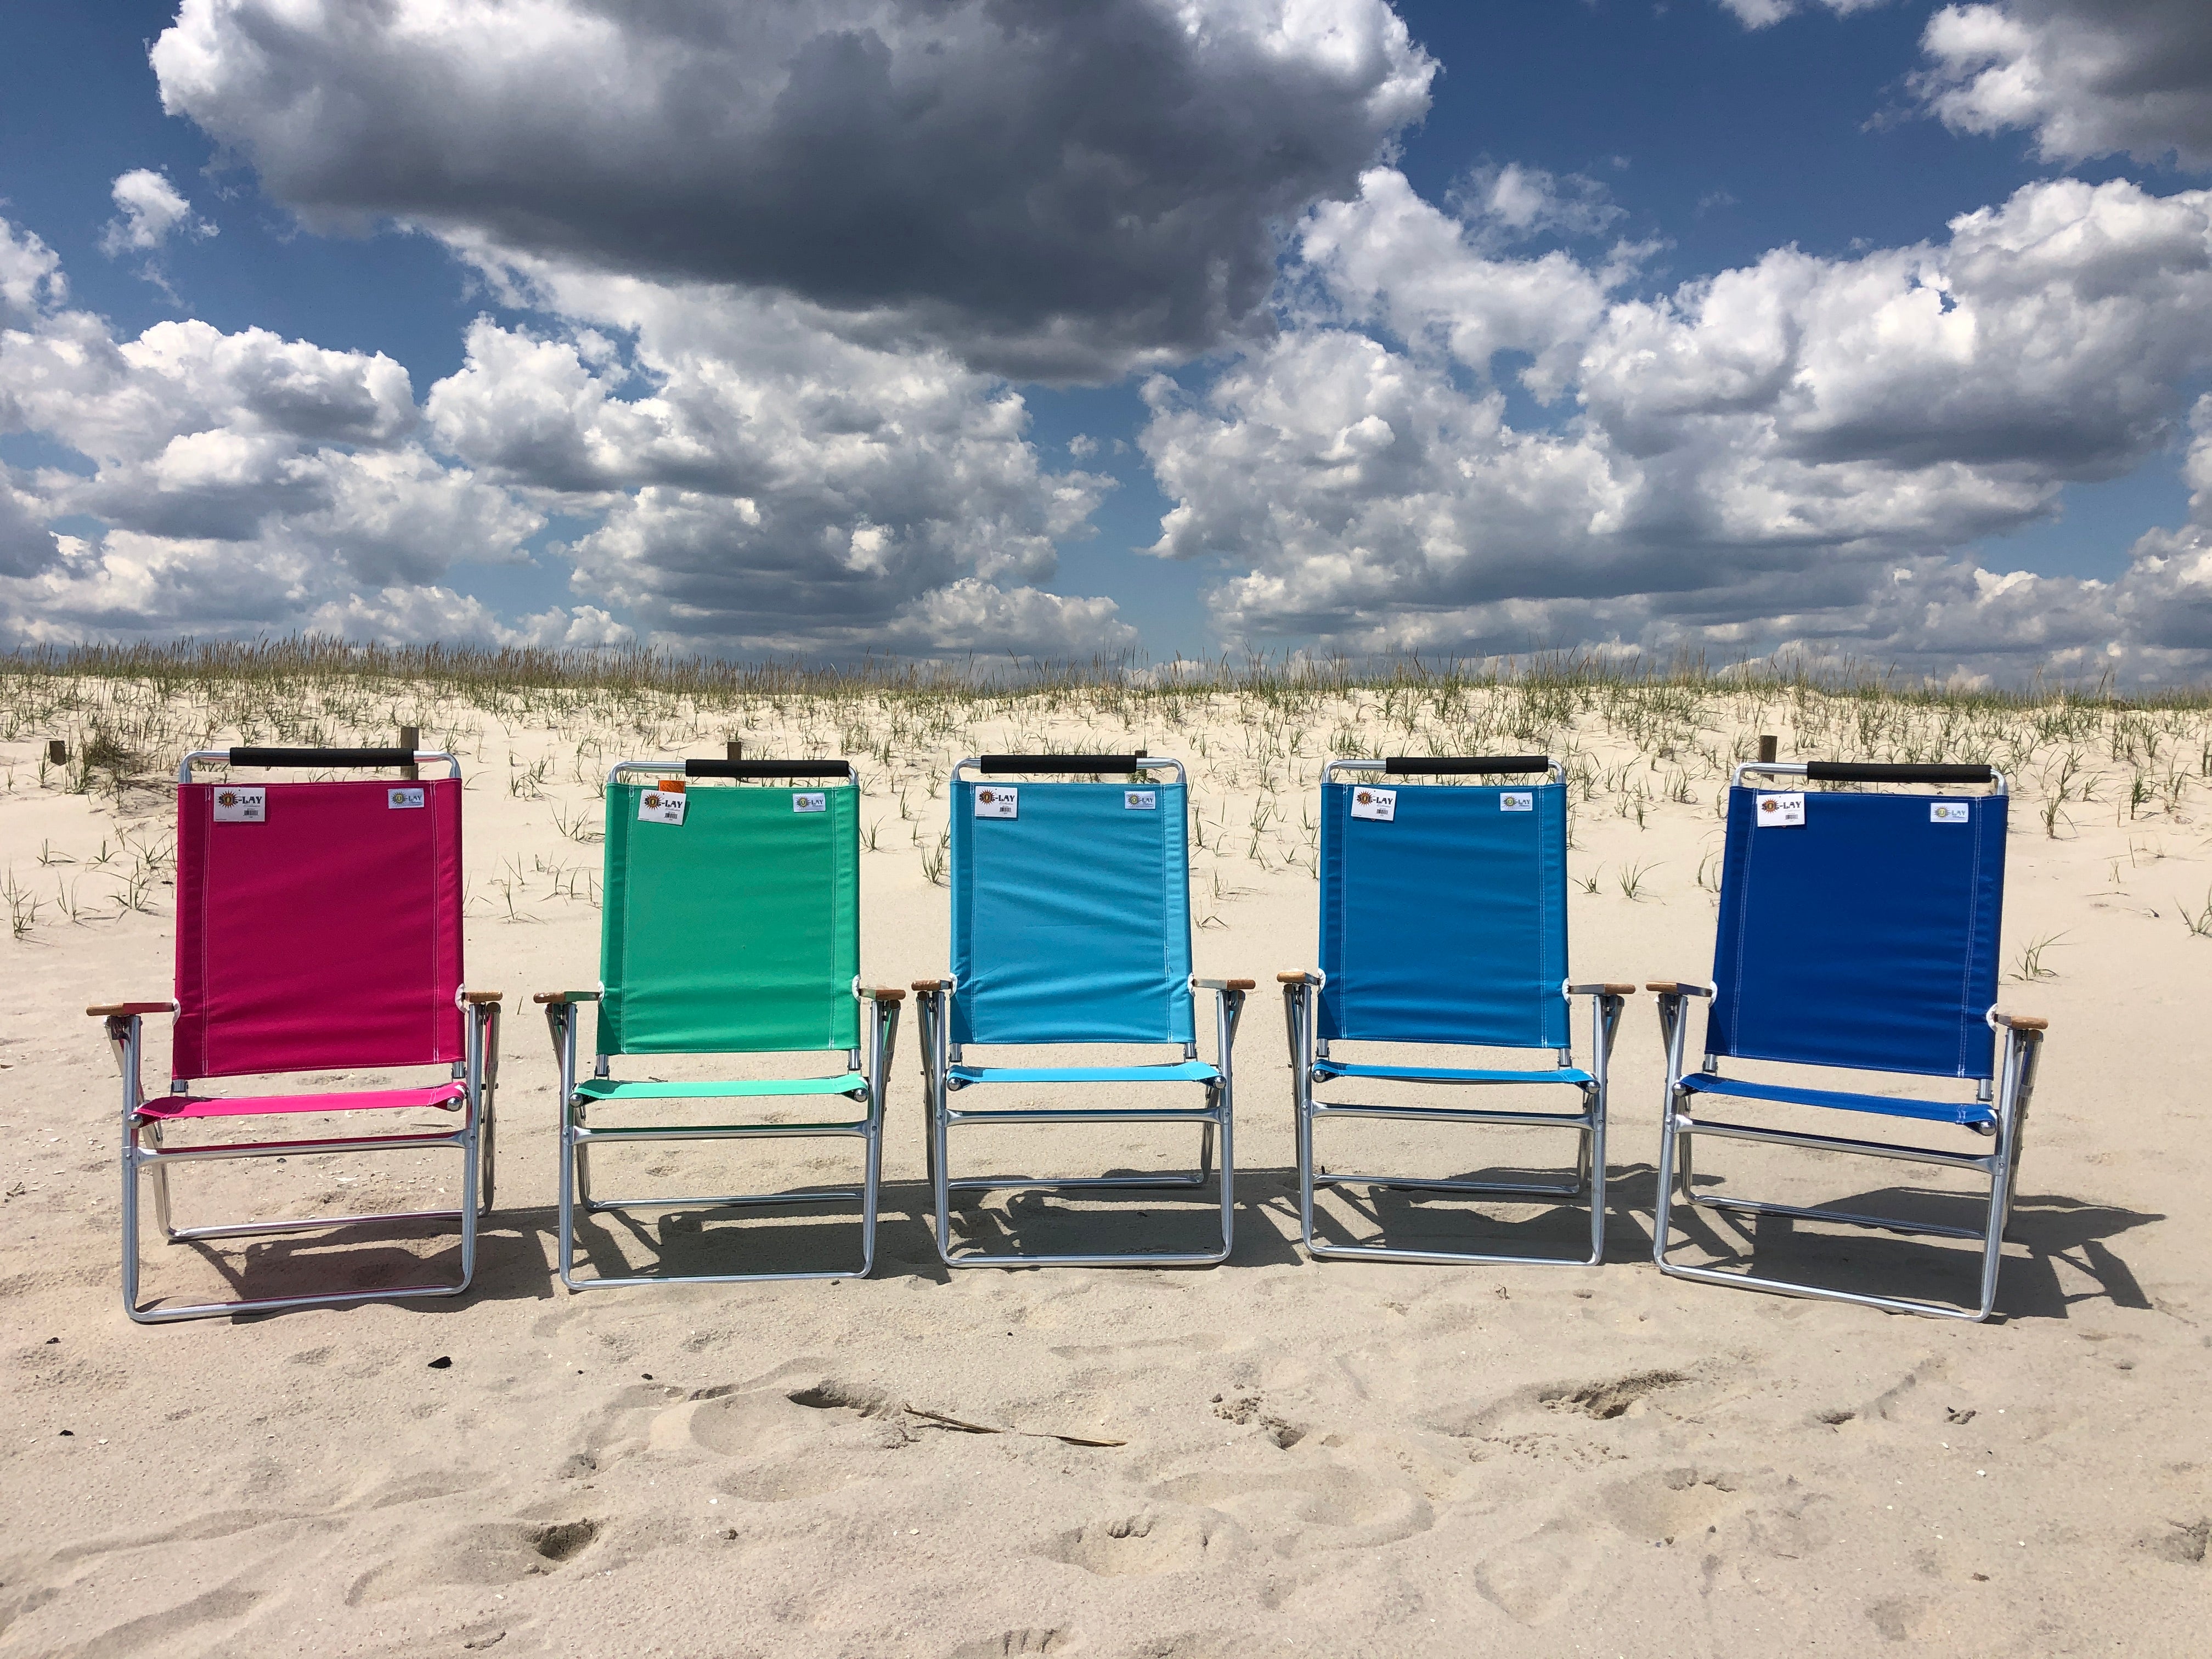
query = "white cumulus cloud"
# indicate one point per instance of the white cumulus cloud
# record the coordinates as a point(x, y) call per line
point(1789, 452)
point(149, 210)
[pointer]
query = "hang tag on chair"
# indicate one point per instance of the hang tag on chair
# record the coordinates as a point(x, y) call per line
point(807, 800)
point(996, 802)
point(1516, 800)
point(400, 800)
point(241, 806)
point(1950, 812)
point(1379, 804)
point(1779, 812)
point(660, 806)
point(1140, 801)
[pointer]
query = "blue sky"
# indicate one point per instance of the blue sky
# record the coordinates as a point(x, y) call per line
point(1698, 136)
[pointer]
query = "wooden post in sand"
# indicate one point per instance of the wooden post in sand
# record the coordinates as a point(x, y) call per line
point(734, 749)
point(57, 752)
point(410, 739)
point(1766, 747)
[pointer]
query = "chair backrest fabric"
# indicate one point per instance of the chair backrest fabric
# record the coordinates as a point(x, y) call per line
point(1071, 921)
point(327, 936)
point(1448, 923)
point(736, 931)
point(1865, 936)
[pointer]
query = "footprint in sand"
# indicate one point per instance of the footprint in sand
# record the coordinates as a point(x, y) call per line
point(1145, 1543)
point(1029, 1640)
point(1671, 1503)
point(488, 1553)
point(1533, 1578)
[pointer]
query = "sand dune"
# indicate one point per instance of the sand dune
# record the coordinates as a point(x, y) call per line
point(1305, 1459)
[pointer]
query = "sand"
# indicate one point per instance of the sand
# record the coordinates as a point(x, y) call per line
point(1339, 1458)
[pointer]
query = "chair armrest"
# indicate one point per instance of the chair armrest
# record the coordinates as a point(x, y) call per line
point(1302, 976)
point(126, 1010)
point(1224, 985)
point(926, 986)
point(879, 992)
point(477, 999)
point(1606, 989)
point(566, 996)
point(2021, 1021)
point(1678, 988)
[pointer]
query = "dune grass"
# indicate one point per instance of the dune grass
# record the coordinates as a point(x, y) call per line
point(1640, 741)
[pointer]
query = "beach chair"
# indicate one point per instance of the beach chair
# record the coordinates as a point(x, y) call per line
point(1071, 925)
point(1857, 930)
point(1443, 921)
point(318, 929)
point(731, 925)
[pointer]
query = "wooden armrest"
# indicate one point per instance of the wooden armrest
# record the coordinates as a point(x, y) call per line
point(1603, 988)
point(478, 998)
point(1303, 976)
point(1678, 988)
point(119, 1010)
point(566, 996)
point(882, 993)
point(2022, 1022)
point(926, 986)
point(1198, 984)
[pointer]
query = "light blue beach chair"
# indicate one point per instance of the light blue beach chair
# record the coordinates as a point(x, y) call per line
point(1443, 921)
point(1071, 925)
point(1857, 930)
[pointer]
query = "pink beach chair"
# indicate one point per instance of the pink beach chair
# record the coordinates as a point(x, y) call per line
point(319, 928)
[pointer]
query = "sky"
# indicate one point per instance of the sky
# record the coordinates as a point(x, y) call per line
point(1875, 331)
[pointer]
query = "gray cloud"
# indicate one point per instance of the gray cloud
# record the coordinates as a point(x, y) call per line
point(2086, 77)
point(1056, 188)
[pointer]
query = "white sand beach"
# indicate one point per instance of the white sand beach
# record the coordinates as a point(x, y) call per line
point(1301, 1457)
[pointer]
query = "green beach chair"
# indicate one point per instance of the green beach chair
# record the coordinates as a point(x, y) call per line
point(731, 925)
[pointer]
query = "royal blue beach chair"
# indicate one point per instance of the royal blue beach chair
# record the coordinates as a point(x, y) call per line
point(1857, 930)
point(1071, 925)
point(1443, 921)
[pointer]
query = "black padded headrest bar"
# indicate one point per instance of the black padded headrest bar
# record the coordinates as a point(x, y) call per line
point(767, 768)
point(1895, 772)
point(1094, 765)
point(257, 756)
point(1465, 765)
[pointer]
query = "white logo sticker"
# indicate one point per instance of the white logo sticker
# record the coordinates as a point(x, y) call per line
point(660, 806)
point(1380, 804)
point(1140, 801)
point(1950, 812)
point(1516, 800)
point(1777, 810)
point(241, 806)
point(399, 799)
point(995, 802)
point(808, 801)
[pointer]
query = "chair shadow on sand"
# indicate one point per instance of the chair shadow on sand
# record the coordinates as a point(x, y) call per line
point(515, 1245)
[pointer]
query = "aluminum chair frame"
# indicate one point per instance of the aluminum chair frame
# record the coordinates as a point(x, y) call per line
point(940, 1055)
point(1307, 1051)
point(144, 1156)
point(871, 1061)
point(2008, 1094)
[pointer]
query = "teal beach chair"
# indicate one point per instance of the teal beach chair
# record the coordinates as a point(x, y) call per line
point(731, 926)
point(1443, 921)
point(1071, 925)
point(1857, 931)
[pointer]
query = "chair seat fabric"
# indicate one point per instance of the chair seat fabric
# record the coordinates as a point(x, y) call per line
point(1928, 1111)
point(1328, 1068)
point(599, 1088)
point(451, 1095)
point(1189, 1070)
